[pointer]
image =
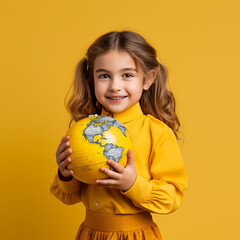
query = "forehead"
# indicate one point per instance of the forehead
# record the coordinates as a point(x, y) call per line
point(114, 60)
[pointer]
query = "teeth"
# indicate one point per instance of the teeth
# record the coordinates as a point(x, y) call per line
point(116, 98)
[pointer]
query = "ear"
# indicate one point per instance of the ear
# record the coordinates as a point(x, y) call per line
point(149, 79)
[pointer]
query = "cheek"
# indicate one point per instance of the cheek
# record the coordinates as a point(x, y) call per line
point(135, 89)
point(99, 90)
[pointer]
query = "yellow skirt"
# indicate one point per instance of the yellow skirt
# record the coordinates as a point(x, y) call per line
point(98, 226)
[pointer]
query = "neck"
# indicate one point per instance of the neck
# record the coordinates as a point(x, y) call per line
point(127, 115)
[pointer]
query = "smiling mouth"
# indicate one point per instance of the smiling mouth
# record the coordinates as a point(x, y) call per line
point(117, 98)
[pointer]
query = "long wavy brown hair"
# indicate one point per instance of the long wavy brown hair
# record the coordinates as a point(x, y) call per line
point(158, 100)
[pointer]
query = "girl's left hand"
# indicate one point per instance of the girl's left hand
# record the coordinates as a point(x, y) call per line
point(123, 178)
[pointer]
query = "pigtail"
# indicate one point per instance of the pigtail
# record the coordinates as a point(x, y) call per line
point(159, 101)
point(168, 102)
point(82, 101)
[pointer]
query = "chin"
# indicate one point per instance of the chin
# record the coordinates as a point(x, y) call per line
point(115, 110)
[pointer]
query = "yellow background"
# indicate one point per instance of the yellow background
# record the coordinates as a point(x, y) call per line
point(41, 42)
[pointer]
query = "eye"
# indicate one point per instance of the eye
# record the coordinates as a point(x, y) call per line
point(103, 76)
point(127, 75)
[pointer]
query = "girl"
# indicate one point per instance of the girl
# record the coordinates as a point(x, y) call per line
point(121, 77)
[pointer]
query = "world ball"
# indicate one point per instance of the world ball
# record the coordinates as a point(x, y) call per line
point(93, 141)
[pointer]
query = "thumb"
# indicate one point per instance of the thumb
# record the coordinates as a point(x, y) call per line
point(130, 158)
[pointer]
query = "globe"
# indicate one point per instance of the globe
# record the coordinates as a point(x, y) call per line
point(93, 141)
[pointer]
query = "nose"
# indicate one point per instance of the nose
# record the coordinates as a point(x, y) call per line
point(115, 85)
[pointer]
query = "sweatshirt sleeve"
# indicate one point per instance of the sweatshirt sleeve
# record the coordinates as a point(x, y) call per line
point(69, 192)
point(164, 192)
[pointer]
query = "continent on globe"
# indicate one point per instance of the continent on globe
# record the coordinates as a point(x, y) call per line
point(113, 152)
point(93, 141)
point(97, 126)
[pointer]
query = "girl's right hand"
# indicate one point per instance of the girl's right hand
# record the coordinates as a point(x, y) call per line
point(62, 157)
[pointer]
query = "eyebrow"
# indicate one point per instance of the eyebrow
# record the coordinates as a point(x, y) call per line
point(122, 70)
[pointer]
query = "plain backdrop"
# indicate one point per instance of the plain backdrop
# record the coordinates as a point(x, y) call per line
point(41, 43)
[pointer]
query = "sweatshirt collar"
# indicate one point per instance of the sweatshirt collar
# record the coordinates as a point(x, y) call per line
point(128, 115)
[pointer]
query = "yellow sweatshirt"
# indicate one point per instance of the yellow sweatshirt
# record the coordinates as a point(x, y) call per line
point(161, 175)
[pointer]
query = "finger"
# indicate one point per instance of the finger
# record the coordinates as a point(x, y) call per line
point(110, 173)
point(64, 155)
point(65, 139)
point(64, 163)
point(63, 167)
point(63, 144)
point(119, 168)
point(67, 172)
point(130, 158)
point(106, 182)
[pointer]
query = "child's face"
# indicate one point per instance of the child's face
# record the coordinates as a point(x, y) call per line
point(118, 82)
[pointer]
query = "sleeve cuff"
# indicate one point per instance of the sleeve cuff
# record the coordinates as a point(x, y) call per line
point(69, 186)
point(140, 190)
